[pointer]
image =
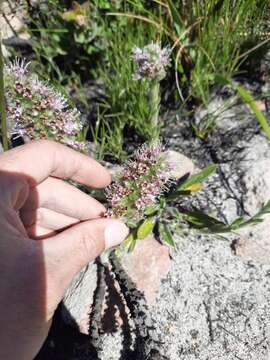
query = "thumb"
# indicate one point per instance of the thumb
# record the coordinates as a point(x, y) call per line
point(70, 251)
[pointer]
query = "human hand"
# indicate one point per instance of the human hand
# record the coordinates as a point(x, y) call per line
point(49, 230)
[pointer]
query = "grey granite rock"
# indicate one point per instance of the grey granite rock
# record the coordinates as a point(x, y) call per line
point(212, 305)
point(181, 165)
point(78, 299)
point(13, 20)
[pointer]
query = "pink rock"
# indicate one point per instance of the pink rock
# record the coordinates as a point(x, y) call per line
point(255, 249)
point(147, 265)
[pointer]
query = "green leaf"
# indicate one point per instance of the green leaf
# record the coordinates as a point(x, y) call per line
point(132, 246)
point(194, 187)
point(151, 210)
point(222, 80)
point(130, 242)
point(145, 228)
point(202, 220)
point(237, 222)
point(174, 212)
point(249, 100)
point(162, 202)
point(79, 37)
point(129, 239)
point(197, 178)
point(166, 234)
point(176, 193)
point(251, 103)
point(178, 23)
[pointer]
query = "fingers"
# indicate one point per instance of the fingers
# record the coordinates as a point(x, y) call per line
point(63, 198)
point(14, 190)
point(40, 159)
point(37, 232)
point(71, 250)
point(46, 218)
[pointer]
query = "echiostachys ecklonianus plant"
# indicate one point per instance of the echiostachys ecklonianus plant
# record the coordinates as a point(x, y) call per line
point(151, 63)
point(142, 180)
point(143, 196)
point(135, 193)
point(35, 110)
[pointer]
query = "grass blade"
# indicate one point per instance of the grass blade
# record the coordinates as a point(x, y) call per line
point(250, 101)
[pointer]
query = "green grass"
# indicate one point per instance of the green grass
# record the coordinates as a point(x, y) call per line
point(209, 38)
point(219, 38)
point(127, 103)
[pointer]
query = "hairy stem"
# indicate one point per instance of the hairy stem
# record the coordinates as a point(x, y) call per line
point(154, 103)
point(2, 102)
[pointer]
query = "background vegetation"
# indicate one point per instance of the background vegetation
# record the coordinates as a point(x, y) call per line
point(84, 48)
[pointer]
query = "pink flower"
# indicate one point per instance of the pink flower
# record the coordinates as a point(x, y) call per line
point(151, 62)
point(36, 110)
point(141, 182)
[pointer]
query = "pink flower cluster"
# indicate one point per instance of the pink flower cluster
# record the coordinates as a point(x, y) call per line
point(36, 111)
point(151, 62)
point(142, 180)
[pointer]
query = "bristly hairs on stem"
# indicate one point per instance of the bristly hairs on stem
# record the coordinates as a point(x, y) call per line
point(151, 63)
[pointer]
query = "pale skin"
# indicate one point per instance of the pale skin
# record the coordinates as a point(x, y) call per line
point(49, 230)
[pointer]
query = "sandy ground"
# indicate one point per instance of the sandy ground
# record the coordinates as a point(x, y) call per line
point(212, 305)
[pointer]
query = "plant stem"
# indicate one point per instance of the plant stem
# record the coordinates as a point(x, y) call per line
point(2, 102)
point(154, 104)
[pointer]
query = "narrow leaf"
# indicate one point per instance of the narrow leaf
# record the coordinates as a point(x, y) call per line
point(178, 23)
point(251, 103)
point(194, 187)
point(151, 210)
point(166, 234)
point(198, 178)
point(130, 242)
point(145, 228)
point(202, 220)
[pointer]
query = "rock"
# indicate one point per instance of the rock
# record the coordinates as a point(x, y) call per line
point(147, 265)
point(15, 19)
point(78, 299)
point(254, 243)
point(226, 114)
point(181, 164)
point(242, 184)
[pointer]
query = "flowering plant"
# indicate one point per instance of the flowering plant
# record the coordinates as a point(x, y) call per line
point(143, 190)
point(140, 183)
point(36, 110)
point(151, 63)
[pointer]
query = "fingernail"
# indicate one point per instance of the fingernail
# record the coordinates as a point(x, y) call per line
point(115, 233)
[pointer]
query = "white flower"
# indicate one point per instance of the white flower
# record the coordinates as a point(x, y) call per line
point(151, 62)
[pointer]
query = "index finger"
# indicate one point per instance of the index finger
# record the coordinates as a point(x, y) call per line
point(43, 158)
